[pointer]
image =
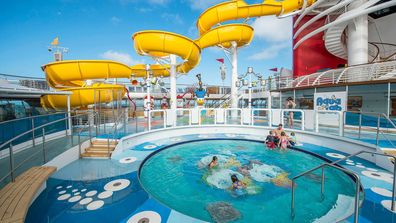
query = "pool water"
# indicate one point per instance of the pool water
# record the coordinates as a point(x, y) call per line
point(179, 178)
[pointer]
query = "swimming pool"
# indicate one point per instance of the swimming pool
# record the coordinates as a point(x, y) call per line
point(178, 177)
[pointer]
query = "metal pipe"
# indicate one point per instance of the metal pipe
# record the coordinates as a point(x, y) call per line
point(33, 136)
point(394, 185)
point(44, 155)
point(357, 195)
point(322, 186)
point(79, 145)
point(11, 163)
point(292, 201)
point(66, 124)
point(360, 124)
point(378, 129)
point(90, 132)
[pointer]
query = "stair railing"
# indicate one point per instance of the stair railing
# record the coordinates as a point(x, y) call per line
point(89, 122)
point(114, 131)
point(10, 142)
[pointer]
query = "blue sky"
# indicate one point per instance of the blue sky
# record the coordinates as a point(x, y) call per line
point(103, 29)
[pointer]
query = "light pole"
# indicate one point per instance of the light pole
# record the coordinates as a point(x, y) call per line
point(243, 82)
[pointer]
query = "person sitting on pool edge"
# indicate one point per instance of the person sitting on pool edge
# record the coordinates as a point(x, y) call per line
point(270, 140)
point(213, 163)
point(292, 139)
point(236, 183)
point(283, 141)
point(279, 130)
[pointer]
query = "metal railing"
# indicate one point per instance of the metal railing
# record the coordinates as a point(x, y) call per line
point(9, 143)
point(379, 117)
point(322, 166)
point(358, 73)
point(378, 154)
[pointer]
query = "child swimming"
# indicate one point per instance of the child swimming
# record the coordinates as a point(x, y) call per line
point(283, 141)
point(213, 163)
point(236, 183)
point(270, 140)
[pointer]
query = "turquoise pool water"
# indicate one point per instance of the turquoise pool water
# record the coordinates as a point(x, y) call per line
point(178, 177)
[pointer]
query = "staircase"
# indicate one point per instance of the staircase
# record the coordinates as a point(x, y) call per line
point(100, 149)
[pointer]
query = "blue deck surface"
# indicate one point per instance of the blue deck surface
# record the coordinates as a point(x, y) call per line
point(132, 203)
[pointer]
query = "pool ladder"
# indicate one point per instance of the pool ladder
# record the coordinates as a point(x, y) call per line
point(357, 181)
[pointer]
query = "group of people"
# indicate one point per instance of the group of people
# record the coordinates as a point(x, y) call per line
point(279, 138)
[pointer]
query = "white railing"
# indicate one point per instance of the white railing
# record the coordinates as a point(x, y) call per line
point(359, 73)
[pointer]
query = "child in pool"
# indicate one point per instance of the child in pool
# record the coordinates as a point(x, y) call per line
point(213, 163)
point(236, 183)
point(292, 139)
point(283, 141)
point(270, 140)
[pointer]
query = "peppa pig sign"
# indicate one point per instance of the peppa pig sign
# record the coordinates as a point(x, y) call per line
point(331, 101)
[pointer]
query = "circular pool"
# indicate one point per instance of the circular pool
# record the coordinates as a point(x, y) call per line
point(179, 177)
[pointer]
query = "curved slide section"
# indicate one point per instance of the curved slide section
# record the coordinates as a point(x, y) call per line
point(160, 43)
point(234, 10)
point(71, 76)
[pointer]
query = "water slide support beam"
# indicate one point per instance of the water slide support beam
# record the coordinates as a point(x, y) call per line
point(234, 75)
point(69, 116)
point(148, 82)
point(173, 95)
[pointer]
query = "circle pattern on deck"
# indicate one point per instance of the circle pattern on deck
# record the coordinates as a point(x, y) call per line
point(105, 194)
point(382, 191)
point(387, 204)
point(378, 175)
point(335, 155)
point(145, 216)
point(95, 205)
point(117, 185)
point(129, 159)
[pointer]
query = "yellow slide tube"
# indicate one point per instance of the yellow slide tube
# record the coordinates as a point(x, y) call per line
point(70, 76)
point(160, 43)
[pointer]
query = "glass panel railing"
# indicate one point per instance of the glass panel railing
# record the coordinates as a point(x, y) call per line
point(261, 117)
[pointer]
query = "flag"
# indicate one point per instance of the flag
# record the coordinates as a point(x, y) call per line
point(55, 42)
point(274, 69)
point(221, 60)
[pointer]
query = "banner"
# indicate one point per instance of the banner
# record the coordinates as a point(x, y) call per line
point(332, 101)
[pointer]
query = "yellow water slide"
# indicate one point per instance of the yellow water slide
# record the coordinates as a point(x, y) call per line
point(71, 76)
point(160, 43)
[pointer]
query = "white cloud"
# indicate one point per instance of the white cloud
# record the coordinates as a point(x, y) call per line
point(173, 18)
point(115, 20)
point(271, 51)
point(120, 57)
point(203, 4)
point(272, 29)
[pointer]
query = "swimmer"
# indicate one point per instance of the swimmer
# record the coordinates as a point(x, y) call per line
point(213, 163)
point(237, 184)
point(283, 141)
point(270, 140)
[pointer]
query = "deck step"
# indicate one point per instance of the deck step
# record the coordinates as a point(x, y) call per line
point(100, 149)
point(94, 155)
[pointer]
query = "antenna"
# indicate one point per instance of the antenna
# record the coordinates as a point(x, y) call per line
point(57, 50)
